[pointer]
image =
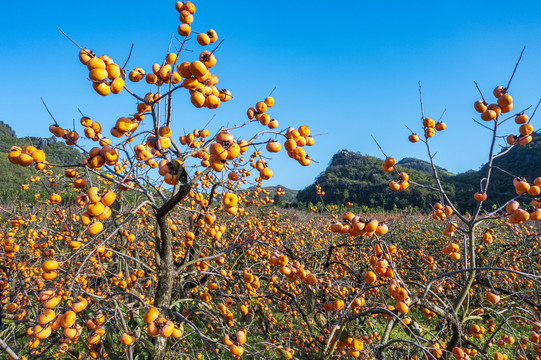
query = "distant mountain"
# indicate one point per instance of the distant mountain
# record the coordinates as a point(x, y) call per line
point(289, 196)
point(356, 178)
point(13, 176)
point(422, 166)
point(351, 177)
point(522, 161)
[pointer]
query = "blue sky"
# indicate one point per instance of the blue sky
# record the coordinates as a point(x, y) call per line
point(349, 69)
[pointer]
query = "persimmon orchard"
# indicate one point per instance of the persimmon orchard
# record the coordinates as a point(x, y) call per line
point(165, 245)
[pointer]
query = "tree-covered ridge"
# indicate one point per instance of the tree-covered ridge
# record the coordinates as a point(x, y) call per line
point(12, 177)
point(505, 169)
point(422, 166)
point(359, 179)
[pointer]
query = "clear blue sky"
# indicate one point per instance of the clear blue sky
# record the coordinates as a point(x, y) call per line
point(349, 69)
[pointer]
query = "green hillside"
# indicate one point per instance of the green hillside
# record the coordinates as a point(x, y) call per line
point(523, 161)
point(12, 176)
point(422, 166)
point(359, 179)
point(351, 177)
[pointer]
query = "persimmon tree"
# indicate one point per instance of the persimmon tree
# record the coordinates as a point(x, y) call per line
point(479, 285)
point(134, 253)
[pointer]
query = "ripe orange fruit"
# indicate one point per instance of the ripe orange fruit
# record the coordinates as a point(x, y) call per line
point(441, 126)
point(521, 119)
point(402, 307)
point(117, 85)
point(49, 265)
point(265, 174)
point(127, 339)
point(212, 102)
point(209, 60)
point(261, 107)
point(95, 228)
point(269, 101)
point(480, 196)
point(101, 88)
point(197, 68)
point(273, 146)
point(189, 6)
point(167, 329)
point(505, 100)
point(495, 107)
point(489, 115)
point(151, 314)
point(525, 129)
point(429, 132)
point(186, 17)
point(85, 55)
point(370, 277)
point(523, 140)
point(68, 319)
point(499, 91)
point(136, 75)
point(493, 298)
point(480, 106)
point(213, 35)
point(203, 39)
point(96, 63)
point(184, 30)
point(179, 6)
point(429, 123)
point(413, 138)
point(55, 198)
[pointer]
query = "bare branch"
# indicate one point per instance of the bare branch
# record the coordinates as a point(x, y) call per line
point(515, 69)
point(480, 92)
point(55, 122)
point(79, 46)
point(129, 56)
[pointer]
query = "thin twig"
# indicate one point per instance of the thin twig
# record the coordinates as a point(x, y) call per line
point(477, 86)
point(208, 123)
point(55, 122)
point(539, 102)
point(66, 35)
point(480, 123)
point(379, 146)
point(216, 48)
point(129, 56)
point(516, 66)
point(504, 171)
point(443, 113)
point(421, 100)
point(514, 115)
point(170, 43)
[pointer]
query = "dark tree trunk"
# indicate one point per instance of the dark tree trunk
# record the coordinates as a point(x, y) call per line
point(165, 264)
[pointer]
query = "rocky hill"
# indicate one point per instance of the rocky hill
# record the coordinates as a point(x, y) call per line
point(13, 176)
point(356, 178)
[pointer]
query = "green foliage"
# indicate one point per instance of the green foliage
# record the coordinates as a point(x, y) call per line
point(422, 166)
point(12, 176)
point(351, 177)
point(501, 187)
point(289, 197)
point(360, 179)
